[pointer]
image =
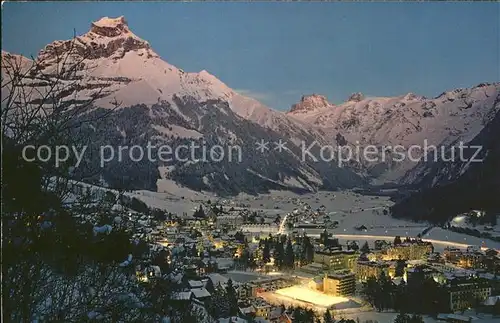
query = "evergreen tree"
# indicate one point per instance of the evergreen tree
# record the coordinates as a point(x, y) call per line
point(405, 318)
point(327, 317)
point(400, 268)
point(323, 237)
point(277, 220)
point(251, 261)
point(252, 217)
point(385, 291)
point(309, 251)
point(200, 213)
point(279, 255)
point(160, 260)
point(400, 296)
point(365, 248)
point(289, 255)
point(370, 290)
point(496, 308)
point(210, 286)
point(219, 304)
point(232, 298)
point(302, 252)
point(266, 253)
point(297, 314)
point(397, 240)
point(245, 258)
point(310, 316)
point(353, 245)
point(239, 236)
point(302, 315)
point(194, 251)
point(402, 318)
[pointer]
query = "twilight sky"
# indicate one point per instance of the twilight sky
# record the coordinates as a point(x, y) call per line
point(277, 52)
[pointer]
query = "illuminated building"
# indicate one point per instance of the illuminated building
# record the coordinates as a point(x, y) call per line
point(367, 269)
point(452, 254)
point(339, 284)
point(413, 250)
point(337, 259)
point(465, 293)
point(472, 260)
point(234, 221)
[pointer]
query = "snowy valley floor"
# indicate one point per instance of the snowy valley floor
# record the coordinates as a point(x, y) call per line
point(348, 208)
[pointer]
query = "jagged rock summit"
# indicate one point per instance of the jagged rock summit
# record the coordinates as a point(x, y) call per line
point(158, 102)
point(110, 27)
point(356, 97)
point(310, 103)
point(406, 120)
point(107, 38)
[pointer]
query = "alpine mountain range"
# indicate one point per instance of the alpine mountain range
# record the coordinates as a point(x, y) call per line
point(162, 104)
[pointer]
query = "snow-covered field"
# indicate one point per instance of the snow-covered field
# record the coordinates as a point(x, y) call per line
point(454, 238)
point(348, 208)
point(308, 295)
point(386, 317)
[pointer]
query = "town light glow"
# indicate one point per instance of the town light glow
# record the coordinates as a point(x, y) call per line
point(305, 294)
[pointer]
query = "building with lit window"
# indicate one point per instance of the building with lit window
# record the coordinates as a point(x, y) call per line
point(231, 221)
point(452, 254)
point(472, 260)
point(412, 250)
point(467, 292)
point(367, 269)
point(337, 259)
point(339, 284)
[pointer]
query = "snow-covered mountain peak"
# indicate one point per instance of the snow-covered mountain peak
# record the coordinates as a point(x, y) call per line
point(356, 97)
point(310, 103)
point(107, 38)
point(413, 97)
point(110, 27)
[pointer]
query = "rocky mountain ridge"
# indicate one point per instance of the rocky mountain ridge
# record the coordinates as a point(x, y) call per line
point(151, 100)
point(110, 65)
point(407, 120)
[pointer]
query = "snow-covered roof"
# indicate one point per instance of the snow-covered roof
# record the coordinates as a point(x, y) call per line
point(103, 229)
point(487, 276)
point(247, 310)
point(200, 292)
point(459, 317)
point(232, 319)
point(126, 262)
point(218, 279)
point(195, 284)
point(176, 278)
point(492, 300)
point(182, 296)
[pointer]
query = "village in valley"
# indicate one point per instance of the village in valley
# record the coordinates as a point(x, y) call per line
point(275, 258)
point(120, 204)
